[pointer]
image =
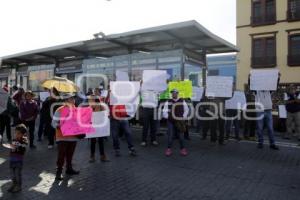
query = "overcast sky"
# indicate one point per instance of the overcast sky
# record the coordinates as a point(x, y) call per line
point(32, 24)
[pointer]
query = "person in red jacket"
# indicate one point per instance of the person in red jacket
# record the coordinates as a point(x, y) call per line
point(119, 122)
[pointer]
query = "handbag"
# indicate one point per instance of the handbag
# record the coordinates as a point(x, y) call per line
point(180, 125)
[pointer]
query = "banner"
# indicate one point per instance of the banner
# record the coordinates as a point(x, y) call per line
point(155, 80)
point(264, 80)
point(76, 121)
point(184, 87)
point(282, 112)
point(219, 86)
point(237, 102)
point(165, 95)
point(124, 92)
point(197, 93)
point(101, 123)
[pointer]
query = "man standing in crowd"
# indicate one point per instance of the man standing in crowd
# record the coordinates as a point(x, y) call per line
point(17, 97)
point(250, 114)
point(232, 119)
point(47, 110)
point(28, 113)
point(5, 116)
point(119, 123)
point(66, 144)
point(176, 111)
point(264, 106)
point(292, 99)
point(149, 114)
point(213, 120)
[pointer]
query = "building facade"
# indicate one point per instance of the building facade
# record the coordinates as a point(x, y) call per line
point(268, 36)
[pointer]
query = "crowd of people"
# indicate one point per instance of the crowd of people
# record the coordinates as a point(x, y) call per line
point(23, 109)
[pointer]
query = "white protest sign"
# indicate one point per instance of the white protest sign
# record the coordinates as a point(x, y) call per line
point(282, 111)
point(149, 99)
point(155, 80)
point(132, 108)
point(219, 86)
point(101, 124)
point(264, 80)
point(124, 92)
point(121, 76)
point(238, 101)
point(44, 95)
point(197, 93)
point(3, 100)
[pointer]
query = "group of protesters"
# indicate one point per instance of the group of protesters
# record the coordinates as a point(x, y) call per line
point(23, 109)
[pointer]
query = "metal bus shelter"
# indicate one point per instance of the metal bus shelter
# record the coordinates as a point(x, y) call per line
point(179, 48)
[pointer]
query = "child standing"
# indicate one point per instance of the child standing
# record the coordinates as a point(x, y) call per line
point(18, 147)
point(95, 103)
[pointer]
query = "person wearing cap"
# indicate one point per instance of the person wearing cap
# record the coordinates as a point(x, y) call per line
point(66, 144)
point(28, 113)
point(175, 111)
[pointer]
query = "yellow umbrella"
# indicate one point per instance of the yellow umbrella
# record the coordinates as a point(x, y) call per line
point(61, 84)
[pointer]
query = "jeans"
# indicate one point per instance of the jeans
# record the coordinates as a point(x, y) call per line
point(5, 125)
point(101, 146)
point(232, 118)
point(173, 131)
point(149, 122)
point(31, 128)
point(116, 127)
point(65, 152)
point(265, 118)
point(16, 172)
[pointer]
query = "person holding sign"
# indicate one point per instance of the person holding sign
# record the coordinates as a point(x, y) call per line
point(175, 111)
point(119, 122)
point(66, 144)
point(95, 103)
point(292, 99)
point(233, 108)
point(264, 106)
point(149, 110)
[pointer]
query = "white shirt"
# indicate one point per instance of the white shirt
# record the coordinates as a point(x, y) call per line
point(263, 98)
point(149, 99)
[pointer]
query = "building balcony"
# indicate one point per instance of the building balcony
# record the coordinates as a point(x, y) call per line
point(263, 20)
point(294, 60)
point(263, 62)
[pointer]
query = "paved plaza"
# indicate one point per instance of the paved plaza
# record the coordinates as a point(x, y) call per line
point(237, 171)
